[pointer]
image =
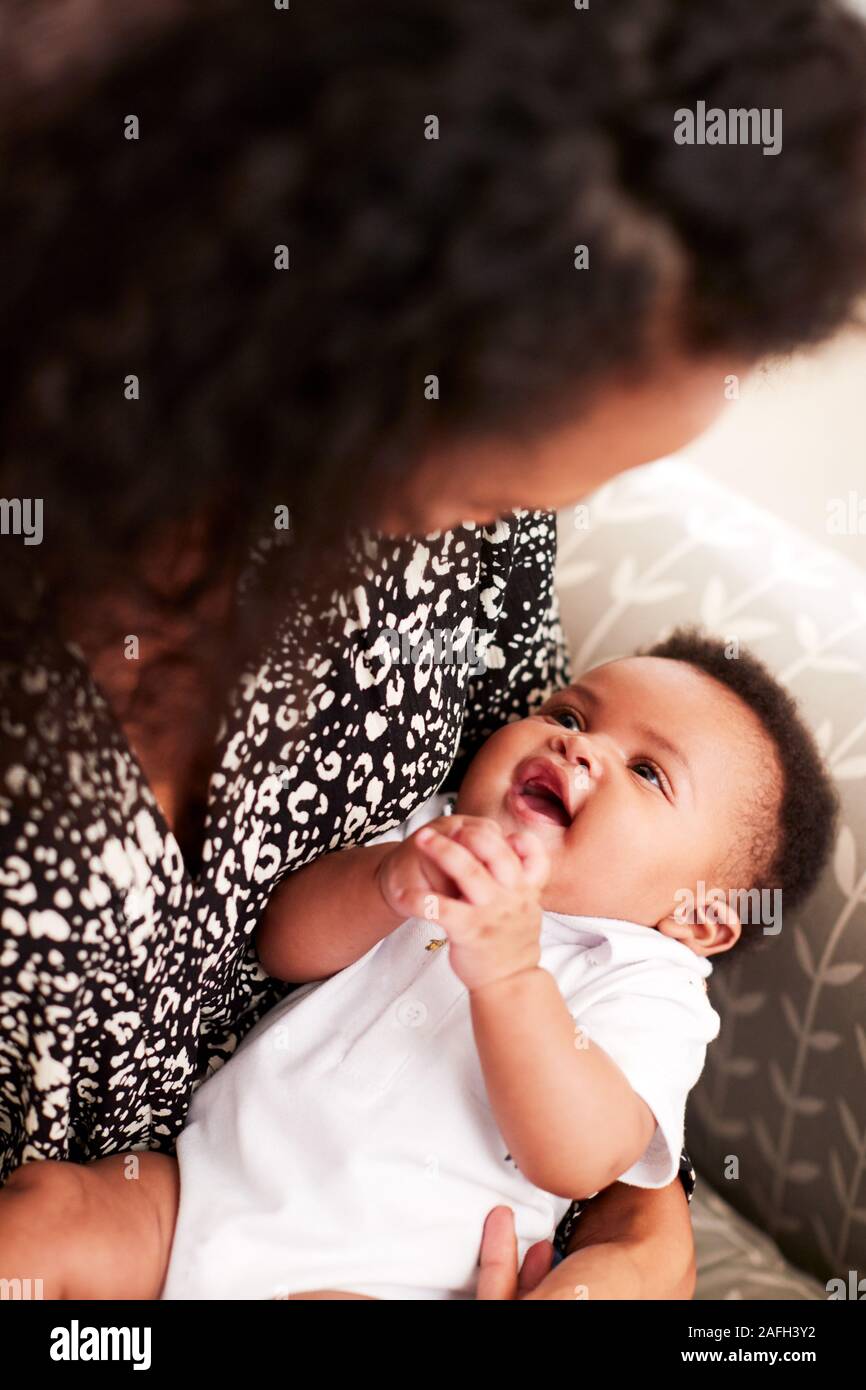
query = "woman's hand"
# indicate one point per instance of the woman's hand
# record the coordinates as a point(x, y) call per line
point(630, 1243)
point(499, 1276)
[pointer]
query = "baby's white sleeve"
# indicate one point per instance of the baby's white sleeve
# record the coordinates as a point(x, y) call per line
point(657, 1034)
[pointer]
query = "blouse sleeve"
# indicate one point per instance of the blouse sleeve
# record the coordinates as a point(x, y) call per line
point(525, 655)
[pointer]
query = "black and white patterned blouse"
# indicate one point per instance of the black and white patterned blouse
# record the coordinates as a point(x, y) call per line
point(125, 979)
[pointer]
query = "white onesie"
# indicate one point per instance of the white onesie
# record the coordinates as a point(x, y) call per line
point(349, 1143)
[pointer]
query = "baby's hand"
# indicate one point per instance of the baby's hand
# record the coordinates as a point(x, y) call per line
point(409, 882)
point(487, 895)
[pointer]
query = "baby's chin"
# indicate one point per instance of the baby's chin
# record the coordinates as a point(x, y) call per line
point(568, 904)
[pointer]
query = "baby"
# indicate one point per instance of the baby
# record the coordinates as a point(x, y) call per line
point(503, 1004)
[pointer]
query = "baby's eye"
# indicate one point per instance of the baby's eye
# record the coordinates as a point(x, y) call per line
point(643, 768)
point(561, 715)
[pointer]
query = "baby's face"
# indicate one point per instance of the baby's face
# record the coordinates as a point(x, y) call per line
point(638, 779)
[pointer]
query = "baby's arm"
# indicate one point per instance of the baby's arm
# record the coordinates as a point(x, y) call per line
point(329, 914)
point(571, 1119)
point(325, 916)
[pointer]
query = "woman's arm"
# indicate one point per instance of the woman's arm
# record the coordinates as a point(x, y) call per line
point(630, 1243)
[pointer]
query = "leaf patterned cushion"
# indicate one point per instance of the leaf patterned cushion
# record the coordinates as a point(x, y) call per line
point(738, 1261)
point(777, 1123)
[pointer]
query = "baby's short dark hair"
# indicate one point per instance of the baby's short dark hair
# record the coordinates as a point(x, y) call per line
point(791, 852)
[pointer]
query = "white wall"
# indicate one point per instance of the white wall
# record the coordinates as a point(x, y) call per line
point(796, 439)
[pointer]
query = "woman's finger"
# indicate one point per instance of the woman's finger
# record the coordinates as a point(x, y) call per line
point(536, 1266)
point(497, 1278)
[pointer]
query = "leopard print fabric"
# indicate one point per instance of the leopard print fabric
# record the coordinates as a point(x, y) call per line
point(125, 980)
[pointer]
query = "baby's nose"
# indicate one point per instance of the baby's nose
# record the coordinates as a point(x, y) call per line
point(576, 751)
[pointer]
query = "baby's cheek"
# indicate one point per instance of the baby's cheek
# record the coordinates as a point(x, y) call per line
point(507, 746)
point(489, 769)
point(566, 888)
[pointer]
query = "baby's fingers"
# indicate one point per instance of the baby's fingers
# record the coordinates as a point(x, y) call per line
point(486, 841)
point(533, 856)
point(471, 877)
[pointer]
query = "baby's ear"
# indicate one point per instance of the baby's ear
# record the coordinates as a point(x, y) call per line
point(707, 923)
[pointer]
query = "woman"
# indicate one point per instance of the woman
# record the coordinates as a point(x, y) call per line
point(284, 290)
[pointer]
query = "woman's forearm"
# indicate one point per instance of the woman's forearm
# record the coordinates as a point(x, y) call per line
point(628, 1243)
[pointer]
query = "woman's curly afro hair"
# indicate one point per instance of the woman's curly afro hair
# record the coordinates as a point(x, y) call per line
point(408, 256)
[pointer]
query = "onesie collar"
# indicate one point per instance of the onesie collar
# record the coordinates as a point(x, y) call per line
point(615, 941)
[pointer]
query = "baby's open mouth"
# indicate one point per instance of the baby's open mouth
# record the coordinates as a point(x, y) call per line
point(541, 792)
